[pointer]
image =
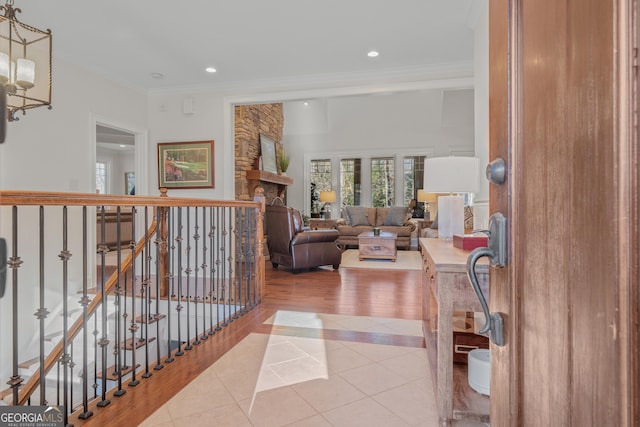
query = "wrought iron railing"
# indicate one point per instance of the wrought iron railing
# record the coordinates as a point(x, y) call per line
point(104, 290)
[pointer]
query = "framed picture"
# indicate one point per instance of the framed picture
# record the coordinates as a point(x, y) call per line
point(268, 152)
point(130, 183)
point(185, 164)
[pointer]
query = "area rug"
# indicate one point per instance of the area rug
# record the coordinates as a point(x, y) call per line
point(406, 260)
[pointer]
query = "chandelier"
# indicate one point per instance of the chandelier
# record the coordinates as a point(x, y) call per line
point(25, 63)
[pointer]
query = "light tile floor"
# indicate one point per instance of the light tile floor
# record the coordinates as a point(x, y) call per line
point(277, 380)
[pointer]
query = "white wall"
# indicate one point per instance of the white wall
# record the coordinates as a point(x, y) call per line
point(168, 123)
point(51, 150)
point(438, 121)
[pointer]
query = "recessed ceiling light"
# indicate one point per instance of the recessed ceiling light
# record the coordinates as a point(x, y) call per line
point(373, 53)
point(305, 103)
point(210, 70)
point(122, 146)
point(158, 76)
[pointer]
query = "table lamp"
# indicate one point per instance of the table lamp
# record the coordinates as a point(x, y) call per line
point(451, 175)
point(327, 197)
point(427, 198)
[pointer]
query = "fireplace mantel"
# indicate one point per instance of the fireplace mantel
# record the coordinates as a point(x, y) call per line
point(264, 176)
point(258, 178)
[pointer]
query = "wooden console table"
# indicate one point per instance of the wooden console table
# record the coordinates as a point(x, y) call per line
point(445, 288)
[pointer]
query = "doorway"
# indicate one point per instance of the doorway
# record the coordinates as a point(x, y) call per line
point(115, 161)
point(126, 149)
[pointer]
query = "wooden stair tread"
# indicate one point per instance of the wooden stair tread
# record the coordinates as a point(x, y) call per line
point(128, 345)
point(112, 375)
point(53, 335)
point(154, 319)
point(6, 392)
point(28, 363)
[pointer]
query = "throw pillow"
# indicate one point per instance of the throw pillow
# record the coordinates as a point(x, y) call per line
point(357, 215)
point(396, 216)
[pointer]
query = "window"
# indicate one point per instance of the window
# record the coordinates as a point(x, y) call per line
point(350, 182)
point(382, 182)
point(101, 177)
point(320, 181)
point(413, 177)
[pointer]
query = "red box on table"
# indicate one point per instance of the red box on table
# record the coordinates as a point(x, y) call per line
point(469, 242)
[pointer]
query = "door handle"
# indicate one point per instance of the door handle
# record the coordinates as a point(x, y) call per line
point(496, 251)
point(3, 266)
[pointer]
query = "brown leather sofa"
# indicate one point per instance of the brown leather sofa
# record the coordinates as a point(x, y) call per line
point(293, 246)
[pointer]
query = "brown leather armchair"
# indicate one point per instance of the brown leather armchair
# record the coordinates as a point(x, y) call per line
point(291, 245)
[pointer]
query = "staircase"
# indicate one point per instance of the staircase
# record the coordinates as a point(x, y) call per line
point(195, 267)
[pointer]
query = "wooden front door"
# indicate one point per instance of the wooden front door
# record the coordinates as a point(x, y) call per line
point(562, 82)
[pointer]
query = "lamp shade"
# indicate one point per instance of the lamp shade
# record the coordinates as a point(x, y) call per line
point(451, 175)
point(328, 196)
point(423, 196)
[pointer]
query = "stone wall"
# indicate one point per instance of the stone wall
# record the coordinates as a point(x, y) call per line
point(250, 122)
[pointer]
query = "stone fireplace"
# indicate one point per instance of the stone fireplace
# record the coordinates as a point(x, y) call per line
point(250, 122)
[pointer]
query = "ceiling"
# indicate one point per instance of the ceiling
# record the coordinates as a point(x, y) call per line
point(114, 139)
point(252, 41)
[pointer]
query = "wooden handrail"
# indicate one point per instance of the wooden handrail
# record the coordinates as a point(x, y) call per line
point(39, 198)
point(27, 390)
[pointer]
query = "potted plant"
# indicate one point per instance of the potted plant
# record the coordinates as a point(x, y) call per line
point(283, 159)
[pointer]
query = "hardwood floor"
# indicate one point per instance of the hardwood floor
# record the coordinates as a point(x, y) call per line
point(358, 292)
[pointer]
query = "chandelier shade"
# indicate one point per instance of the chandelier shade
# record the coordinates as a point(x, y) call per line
point(25, 63)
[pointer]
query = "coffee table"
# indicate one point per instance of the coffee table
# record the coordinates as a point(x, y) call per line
point(382, 246)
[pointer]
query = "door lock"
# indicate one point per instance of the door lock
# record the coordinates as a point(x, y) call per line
point(496, 171)
point(3, 266)
point(496, 251)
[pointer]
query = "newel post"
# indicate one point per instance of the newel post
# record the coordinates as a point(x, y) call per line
point(163, 235)
point(260, 273)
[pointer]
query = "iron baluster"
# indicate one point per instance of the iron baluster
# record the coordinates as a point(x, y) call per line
point(84, 302)
point(117, 349)
point(170, 226)
point(103, 342)
point(212, 269)
point(14, 263)
point(196, 238)
point(66, 360)
point(145, 316)
point(42, 312)
point(204, 266)
point(188, 273)
point(218, 290)
point(133, 326)
point(179, 269)
point(223, 257)
point(160, 218)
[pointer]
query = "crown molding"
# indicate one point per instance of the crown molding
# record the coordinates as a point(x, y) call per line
point(381, 78)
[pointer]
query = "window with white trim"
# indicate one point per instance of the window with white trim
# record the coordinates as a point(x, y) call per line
point(102, 177)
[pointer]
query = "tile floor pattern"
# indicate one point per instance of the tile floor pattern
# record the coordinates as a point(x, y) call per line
point(277, 380)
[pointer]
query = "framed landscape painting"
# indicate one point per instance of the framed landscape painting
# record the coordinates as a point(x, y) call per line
point(185, 164)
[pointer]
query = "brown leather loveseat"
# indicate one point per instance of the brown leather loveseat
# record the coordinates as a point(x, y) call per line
point(293, 246)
